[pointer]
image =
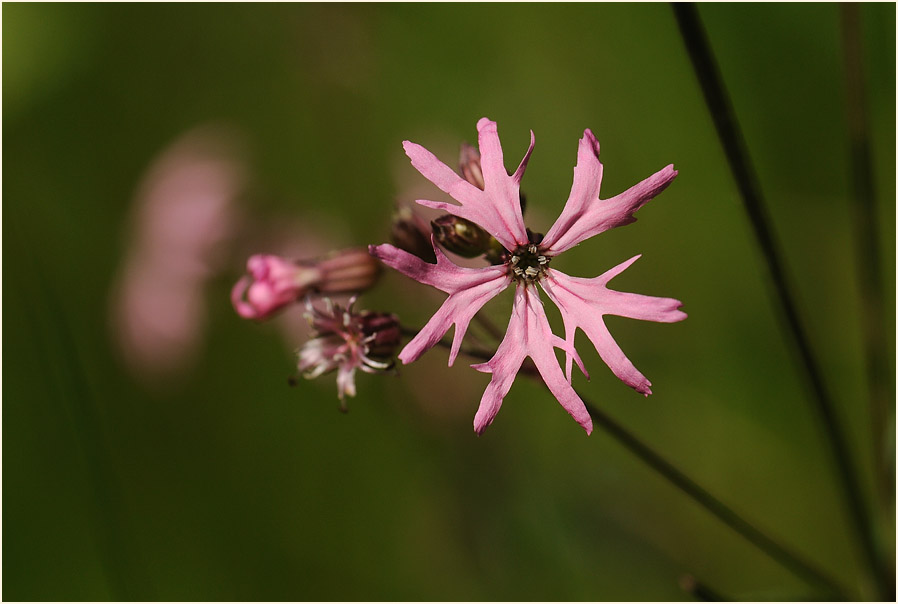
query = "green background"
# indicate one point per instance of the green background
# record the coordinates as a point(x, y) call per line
point(228, 485)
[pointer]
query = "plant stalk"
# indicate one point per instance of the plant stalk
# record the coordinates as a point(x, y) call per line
point(785, 556)
point(882, 396)
point(734, 147)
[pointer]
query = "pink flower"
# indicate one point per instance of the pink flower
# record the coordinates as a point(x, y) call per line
point(345, 341)
point(582, 302)
point(274, 282)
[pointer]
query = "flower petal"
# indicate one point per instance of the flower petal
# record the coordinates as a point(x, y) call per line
point(584, 214)
point(502, 189)
point(528, 334)
point(583, 303)
point(346, 380)
point(468, 288)
point(496, 209)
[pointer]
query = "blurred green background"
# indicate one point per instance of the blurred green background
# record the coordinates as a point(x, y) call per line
point(222, 483)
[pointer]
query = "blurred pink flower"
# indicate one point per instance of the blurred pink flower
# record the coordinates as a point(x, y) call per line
point(274, 282)
point(183, 219)
point(582, 302)
point(345, 340)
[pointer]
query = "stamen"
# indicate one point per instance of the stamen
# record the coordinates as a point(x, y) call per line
point(527, 264)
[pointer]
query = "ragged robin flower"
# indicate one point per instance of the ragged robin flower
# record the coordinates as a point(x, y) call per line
point(346, 340)
point(527, 257)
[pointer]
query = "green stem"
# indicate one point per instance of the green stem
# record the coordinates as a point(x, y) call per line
point(734, 147)
point(868, 256)
point(53, 331)
point(700, 591)
point(785, 556)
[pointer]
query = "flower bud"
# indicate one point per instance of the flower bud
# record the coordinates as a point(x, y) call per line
point(460, 236)
point(410, 233)
point(469, 165)
point(274, 282)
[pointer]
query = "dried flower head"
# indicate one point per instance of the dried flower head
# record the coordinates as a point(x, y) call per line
point(346, 340)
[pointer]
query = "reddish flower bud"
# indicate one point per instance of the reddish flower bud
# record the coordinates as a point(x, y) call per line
point(274, 282)
point(469, 165)
point(460, 236)
point(410, 233)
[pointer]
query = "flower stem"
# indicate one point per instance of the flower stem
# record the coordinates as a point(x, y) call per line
point(731, 138)
point(489, 327)
point(868, 253)
point(700, 591)
point(788, 558)
point(768, 545)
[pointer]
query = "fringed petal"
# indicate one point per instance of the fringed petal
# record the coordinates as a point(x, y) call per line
point(468, 288)
point(496, 209)
point(583, 303)
point(445, 275)
point(528, 334)
point(584, 214)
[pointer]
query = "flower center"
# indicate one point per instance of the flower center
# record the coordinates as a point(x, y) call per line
point(526, 263)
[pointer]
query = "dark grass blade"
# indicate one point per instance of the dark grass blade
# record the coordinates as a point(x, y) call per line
point(881, 382)
point(734, 147)
point(55, 341)
point(786, 557)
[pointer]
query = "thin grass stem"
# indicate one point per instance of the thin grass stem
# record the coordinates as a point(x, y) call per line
point(700, 590)
point(50, 326)
point(787, 557)
point(869, 264)
point(734, 147)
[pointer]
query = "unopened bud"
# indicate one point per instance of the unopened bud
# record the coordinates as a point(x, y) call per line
point(461, 236)
point(274, 282)
point(347, 271)
point(469, 165)
point(495, 254)
point(410, 233)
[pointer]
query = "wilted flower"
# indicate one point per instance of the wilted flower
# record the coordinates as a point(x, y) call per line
point(582, 302)
point(274, 282)
point(345, 340)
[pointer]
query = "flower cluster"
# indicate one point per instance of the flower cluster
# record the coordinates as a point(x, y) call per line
point(489, 198)
point(344, 340)
point(486, 222)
